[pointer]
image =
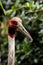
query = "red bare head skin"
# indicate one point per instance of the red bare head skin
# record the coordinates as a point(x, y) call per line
point(13, 25)
point(14, 22)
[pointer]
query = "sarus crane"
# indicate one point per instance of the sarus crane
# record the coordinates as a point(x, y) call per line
point(14, 24)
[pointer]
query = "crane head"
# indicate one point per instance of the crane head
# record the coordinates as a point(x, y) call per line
point(16, 23)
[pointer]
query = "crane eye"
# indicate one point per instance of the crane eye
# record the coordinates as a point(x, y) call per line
point(15, 23)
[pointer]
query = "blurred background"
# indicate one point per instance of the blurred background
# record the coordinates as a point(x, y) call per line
point(31, 13)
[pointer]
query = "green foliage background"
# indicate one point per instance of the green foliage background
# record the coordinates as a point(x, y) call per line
point(31, 13)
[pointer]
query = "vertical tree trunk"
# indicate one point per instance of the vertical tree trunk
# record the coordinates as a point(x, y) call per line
point(11, 51)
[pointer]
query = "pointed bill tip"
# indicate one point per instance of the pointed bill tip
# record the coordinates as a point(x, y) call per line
point(25, 32)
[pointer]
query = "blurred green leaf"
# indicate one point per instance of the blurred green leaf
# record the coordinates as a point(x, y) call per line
point(2, 8)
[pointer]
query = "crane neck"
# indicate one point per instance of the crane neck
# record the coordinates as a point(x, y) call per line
point(11, 50)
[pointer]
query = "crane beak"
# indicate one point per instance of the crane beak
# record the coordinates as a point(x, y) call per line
point(24, 31)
